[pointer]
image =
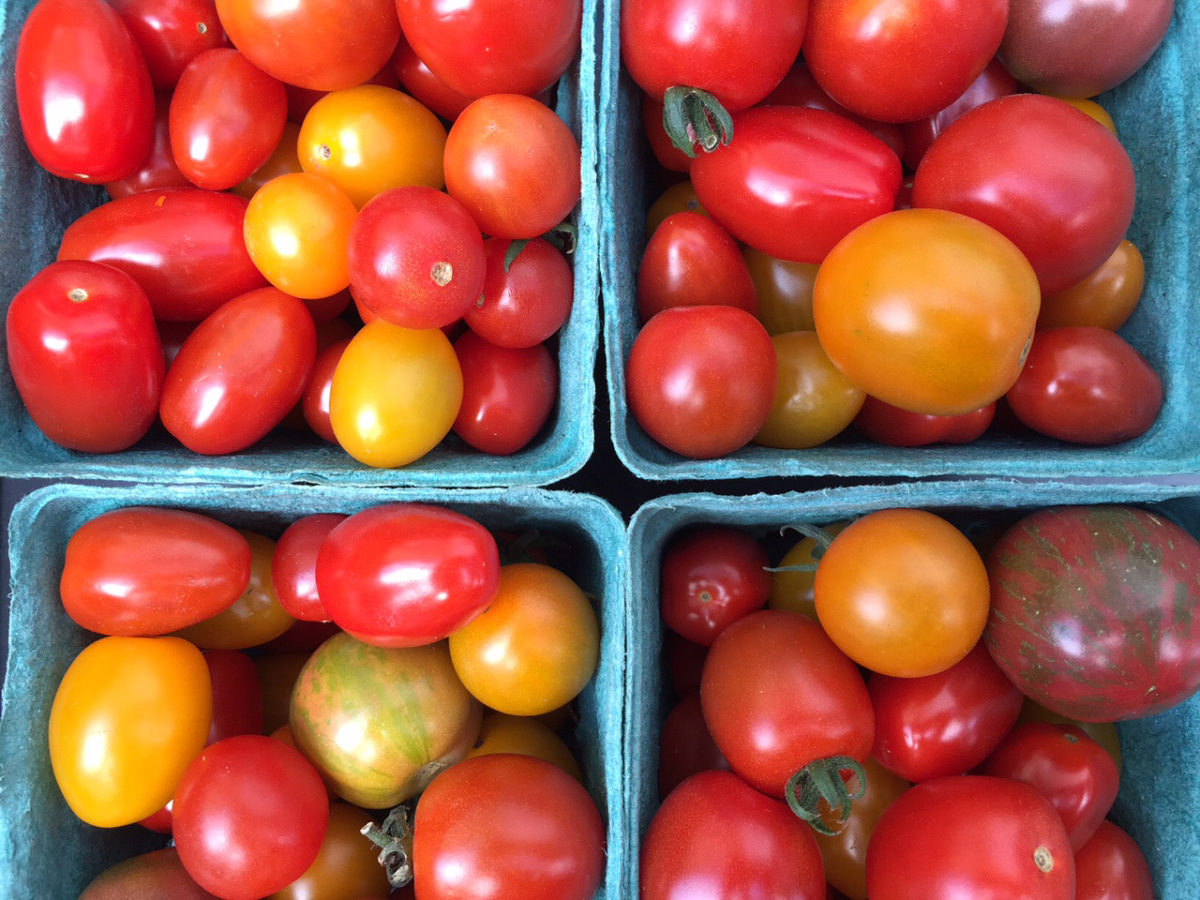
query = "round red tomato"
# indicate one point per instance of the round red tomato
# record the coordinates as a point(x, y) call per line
point(81, 330)
point(526, 298)
point(1111, 866)
point(416, 78)
point(701, 379)
point(170, 35)
point(508, 393)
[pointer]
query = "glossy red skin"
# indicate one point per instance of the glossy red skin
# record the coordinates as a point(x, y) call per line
point(711, 577)
point(508, 394)
point(701, 379)
point(104, 347)
point(1086, 385)
point(1051, 179)
point(685, 747)
point(715, 836)
point(969, 837)
point(159, 822)
point(1111, 866)
point(237, 695)
point(227, 117)
point(146, 571)
point(315, 403)
point(1091, 614)
point(418, 80)
point(407, 574)
point(527, 304)
point(183, 246)
point(170, 35)
point(158, 170)
point(78, 55)
point(943, 724)
point(397, 243)
point(504, 825)
point(294, 565)
point(777, 695)
point(1070, 769)
point(684, 662)
point(796, 180)
point(1049, 45)
point(239, 373)
point(479, 47)
point(250, 815)
point(157, 875)
point(883, 423)
point(690, 260)
point(875, 57)
point(737, 51)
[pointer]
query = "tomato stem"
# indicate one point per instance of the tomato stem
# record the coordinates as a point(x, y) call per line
point(394, 838)
point(564, 236)
point(821, 780)
point(693, 116)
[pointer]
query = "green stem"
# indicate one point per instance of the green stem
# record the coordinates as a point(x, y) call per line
point(692, 116)
point(821, 780)
point(394, 838)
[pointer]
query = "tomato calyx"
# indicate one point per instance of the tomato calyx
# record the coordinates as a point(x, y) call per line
point(821, 540)
point(693, 116)
point(395, 840)
point(821, 780)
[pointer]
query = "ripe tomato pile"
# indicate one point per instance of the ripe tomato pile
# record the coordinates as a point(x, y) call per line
point(263, 700)
point(313, 222)
point(904, 220)
point(907, 709)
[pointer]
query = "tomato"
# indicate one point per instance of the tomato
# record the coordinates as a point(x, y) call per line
point(380, 722)
point(297, 231)
point(1103, 733)
point(478, 47)
point(250, 815)
point(684, 662)
point(946, 723)
point(970, 836)
point(84, 96)
point(1111, 866)
point(784, 290)
point(346, 867)
point(143, 570)
point(1070, 585)
point(525, 301)
point(1086, 385)
point(679, 197)
point(171, 35)
point(237, 698)
point(158, 170)
point(513, 164)
point(226, 119)
point(666, 154)
point(1045, 43)
point(127, 718)
point(902, 592)
point(395, 394)
point(315, 403)
point(500, 733)
point(684, 746)
point(1054, 181)
point(183, 246)
point(793, 590)
point(416, 78)
point(535, 646)
point(875, 58)
point(690, 260)
point(81, 329)
point(370, 138)
point(294, 564)
point(284, 160)
point(1105, 299)
point(277, 674)
point(711, 576)
point(508, 393)
point(928, 310)
point(701, 379)
point(883, 423)
point(325, 45)
point(715, 836)
point(157, 875)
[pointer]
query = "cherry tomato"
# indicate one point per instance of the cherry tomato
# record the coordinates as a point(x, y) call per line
point(284, 160)
point(277, 673)
point(158, 171)
point(315, 403)
point(171, 35)
point(1111, 866)
point(346, 867)
point(679, 197)
point(1103, 733)
point(794, 590)
point(500, 733)
point(158, 873)
point(293, 566)
point(666, 154)
point(128, 717)
point(1105, 299)
point(883, 423)
point(701, 379)
point(684, 662)
point(416, 78)
point(525, 301)
point(84, 96)
point(508, 394)
point(237, 697)
point(84, 330)
point(535, 646)
point(684, 746)
point(784, 290)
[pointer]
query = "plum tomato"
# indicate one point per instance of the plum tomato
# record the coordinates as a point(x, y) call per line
point(237, 696)
point(294, 565)
point(158, 170)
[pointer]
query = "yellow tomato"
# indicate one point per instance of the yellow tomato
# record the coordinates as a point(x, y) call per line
point(500, 733)
point(784, 289)
point(794, 590)
point(1105, 299)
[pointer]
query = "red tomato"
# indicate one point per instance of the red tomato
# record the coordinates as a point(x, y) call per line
point(315, 403)
point(226, 119)
point(84, 330)
point(701, 379)
point(526, 300)
point(685, 747)
point(711, 577)
point(1087, 385)
point(1111, 866)
point(416, 78)
point(239, 372)
point(158, 873)
point(883, 423)
point(171, 34)
point(715, 836)
point(84, 95)
point(250, 814)
point(158, 171)
point(145, 570)
point(464, 845)
point(237, 696)
point(796, 180)
point(478, 47)
point(508, 393)
point(943, 724)
point(406, 574)
point(684, 662)
point(294, 566)
point(970, 836)
point(416, 258)
point(183, 246)
point(1051, 179)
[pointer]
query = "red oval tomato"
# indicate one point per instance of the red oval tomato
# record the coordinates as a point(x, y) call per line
point(237, 696)
point(84, 95)
point(158, 171)
point(315, 403)
point(508, 393)
point(294, 565)
point(1111, 866)
point(84, 330)
point(526, 301)
point(240, 371)
point(171, 35)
